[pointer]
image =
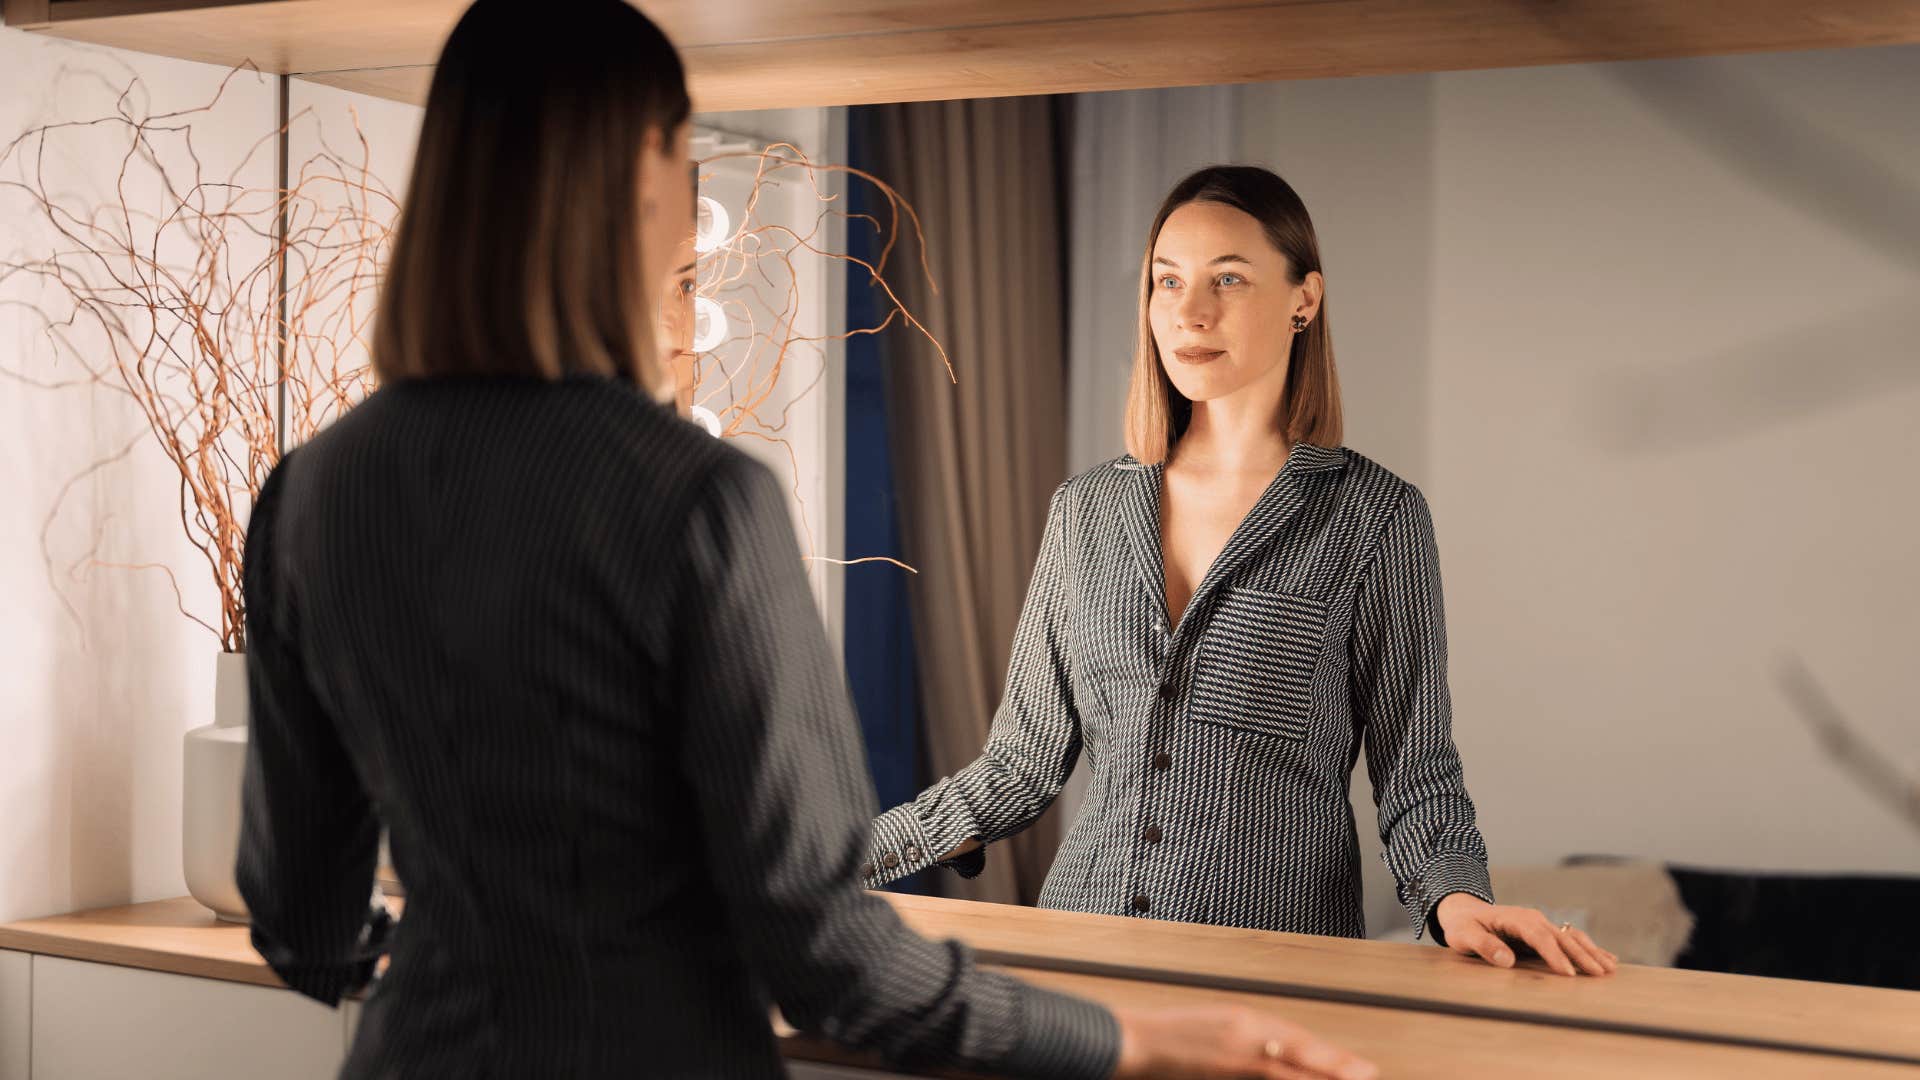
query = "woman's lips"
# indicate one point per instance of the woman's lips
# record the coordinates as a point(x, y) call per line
point(1198, 356)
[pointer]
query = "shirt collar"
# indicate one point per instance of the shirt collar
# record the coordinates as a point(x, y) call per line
point(1303, 458)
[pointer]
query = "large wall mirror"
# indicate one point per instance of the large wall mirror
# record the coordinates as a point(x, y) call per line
point(1642, 332)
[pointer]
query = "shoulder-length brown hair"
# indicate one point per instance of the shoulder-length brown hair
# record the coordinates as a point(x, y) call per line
point(1157, 414)
point(517, 250)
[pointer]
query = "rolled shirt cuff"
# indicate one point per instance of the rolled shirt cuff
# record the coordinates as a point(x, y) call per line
point(1446, 873)
point(897, 847)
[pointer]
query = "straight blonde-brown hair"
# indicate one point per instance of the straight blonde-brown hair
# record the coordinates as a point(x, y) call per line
point(1157, 413)
point(517, 251)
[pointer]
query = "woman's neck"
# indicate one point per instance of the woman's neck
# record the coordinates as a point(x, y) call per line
point(1233, 436)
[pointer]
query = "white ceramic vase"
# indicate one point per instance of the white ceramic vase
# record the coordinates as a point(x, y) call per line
point(216, 759)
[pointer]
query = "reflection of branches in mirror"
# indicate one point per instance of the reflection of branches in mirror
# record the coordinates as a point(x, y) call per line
point(759, 259)
point(1846, 745)
point(169, 294)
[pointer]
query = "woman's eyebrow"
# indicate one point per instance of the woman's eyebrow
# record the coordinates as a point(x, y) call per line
point(1162, 260)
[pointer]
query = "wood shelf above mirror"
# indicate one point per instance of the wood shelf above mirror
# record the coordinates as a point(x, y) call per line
point(751, 54)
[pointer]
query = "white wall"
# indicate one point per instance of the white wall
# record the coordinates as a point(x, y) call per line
point(1676, 418)
point(1644, 333)
point(92, 709)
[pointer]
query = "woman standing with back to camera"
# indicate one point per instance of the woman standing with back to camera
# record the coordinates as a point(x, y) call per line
point(559, 641)
point(1221, 621)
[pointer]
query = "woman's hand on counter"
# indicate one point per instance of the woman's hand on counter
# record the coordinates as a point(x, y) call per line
point(1220, 1042)
point(1474, 927)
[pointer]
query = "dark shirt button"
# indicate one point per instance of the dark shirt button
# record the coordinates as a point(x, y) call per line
point(890, 861)
point(1153, 834)
point(1163, 761)
point(1166, 691)
point(1140, 904)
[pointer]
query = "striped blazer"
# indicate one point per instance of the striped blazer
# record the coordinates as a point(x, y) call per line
point(560, 642)
point(1220, 749)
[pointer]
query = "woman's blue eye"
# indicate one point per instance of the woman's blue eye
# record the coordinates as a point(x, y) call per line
point(686, 287)
point(1169, 282)
point(1229, 279)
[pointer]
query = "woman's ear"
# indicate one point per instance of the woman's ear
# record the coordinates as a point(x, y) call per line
point(1311, 291)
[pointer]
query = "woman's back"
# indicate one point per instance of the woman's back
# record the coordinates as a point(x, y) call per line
point(487, 575)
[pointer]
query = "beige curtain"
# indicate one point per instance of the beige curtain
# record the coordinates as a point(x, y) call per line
point(975, 461)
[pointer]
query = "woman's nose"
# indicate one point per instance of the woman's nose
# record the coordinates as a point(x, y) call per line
point(1194, 313)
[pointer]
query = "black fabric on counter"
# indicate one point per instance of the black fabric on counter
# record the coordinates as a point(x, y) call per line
point(1857, 929)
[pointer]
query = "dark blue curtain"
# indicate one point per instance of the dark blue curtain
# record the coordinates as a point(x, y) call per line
point(879, 629)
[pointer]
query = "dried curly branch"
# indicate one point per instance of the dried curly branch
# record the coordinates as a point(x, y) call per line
point(758, 266)
point(173, 300)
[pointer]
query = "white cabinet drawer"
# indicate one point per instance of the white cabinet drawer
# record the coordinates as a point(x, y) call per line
point(16, 1013)
point(101, 1022)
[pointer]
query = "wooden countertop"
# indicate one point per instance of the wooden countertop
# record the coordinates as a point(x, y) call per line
point(1435, 1046)
point(1784, 1013)
point(176, 936)
point(1416, 1010)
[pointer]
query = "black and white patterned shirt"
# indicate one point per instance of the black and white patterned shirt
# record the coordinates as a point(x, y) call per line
point(1220, 750)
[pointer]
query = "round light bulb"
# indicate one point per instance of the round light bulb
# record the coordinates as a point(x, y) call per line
point(705, 418)
point(709, 324)
point(713, 225)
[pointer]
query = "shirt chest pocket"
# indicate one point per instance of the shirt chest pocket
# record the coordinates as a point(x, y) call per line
point(1257, 662)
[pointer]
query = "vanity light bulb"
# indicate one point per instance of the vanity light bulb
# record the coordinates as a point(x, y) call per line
point(713, 225)
point(709, 324)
